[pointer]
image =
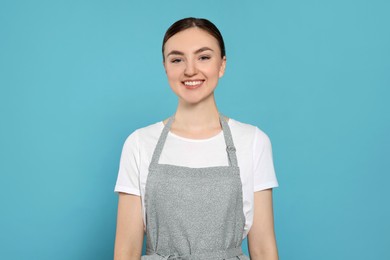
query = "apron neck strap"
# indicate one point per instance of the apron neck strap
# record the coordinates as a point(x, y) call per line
point(161, 141)
point(230, 148)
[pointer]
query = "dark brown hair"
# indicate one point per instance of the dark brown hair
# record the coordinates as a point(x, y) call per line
point(191, 22)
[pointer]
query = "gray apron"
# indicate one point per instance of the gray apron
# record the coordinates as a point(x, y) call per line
point(194, 213)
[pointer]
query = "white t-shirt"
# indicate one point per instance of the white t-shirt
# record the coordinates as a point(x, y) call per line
point(253, 149)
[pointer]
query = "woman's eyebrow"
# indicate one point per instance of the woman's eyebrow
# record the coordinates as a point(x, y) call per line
point(203, 49)
point(175, 52)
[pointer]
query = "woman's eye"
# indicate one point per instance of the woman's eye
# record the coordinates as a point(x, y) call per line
point(176, 60)
point(204, 57)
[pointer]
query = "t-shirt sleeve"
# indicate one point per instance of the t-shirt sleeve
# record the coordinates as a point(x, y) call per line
point(264, 172)
point(128, 175)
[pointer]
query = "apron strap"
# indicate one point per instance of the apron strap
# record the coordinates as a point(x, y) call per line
point(161, 142)
point(230, 148)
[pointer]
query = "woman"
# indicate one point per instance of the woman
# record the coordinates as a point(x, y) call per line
point(197, 183)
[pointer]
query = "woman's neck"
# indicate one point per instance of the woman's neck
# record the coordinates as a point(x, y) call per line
point(197, 121)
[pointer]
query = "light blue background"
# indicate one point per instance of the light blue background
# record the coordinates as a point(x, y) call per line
point(77, 77)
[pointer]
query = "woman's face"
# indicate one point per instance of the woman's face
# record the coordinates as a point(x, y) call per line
point(193, 64)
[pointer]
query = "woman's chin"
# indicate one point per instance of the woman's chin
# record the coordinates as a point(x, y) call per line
point(193, 100)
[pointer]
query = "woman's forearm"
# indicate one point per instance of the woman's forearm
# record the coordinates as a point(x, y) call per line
point(129, 232)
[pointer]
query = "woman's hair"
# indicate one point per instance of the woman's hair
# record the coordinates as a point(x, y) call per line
point(192, 22)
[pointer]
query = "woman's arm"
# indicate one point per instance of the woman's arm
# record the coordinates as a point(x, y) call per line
point(129, 229)
point(261, 236)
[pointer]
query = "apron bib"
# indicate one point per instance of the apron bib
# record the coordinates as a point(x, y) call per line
point(194, 213)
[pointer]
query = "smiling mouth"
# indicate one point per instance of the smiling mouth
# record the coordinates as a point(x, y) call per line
point(191, 84)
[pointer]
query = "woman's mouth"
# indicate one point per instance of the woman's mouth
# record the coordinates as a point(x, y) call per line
point(192, 84)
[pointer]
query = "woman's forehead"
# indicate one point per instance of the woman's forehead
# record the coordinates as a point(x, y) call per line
point(191, 40)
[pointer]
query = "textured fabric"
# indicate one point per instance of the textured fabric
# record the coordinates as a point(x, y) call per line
point(233, 253)
point(194, 213)
point(254, 155)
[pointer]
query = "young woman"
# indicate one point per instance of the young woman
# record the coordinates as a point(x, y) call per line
point(197, 183)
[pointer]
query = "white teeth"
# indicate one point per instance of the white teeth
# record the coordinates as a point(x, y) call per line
point(192, 83)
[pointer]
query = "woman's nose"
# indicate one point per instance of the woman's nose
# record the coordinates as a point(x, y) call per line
point(190, 69)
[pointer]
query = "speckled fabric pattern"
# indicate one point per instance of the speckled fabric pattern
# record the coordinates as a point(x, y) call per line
point(194, 213)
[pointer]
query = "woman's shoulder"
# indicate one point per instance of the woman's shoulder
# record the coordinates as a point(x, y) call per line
point(245, 129)
point(144, 134)
point(251, 139)
point(151, 129)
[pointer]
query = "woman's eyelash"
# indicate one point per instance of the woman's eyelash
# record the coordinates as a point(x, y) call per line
point(177, 60)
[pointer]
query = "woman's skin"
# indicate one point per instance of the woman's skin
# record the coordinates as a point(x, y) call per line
point(129, 228)
point(193, 65)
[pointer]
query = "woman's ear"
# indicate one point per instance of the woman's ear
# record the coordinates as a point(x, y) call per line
point(223, 67)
